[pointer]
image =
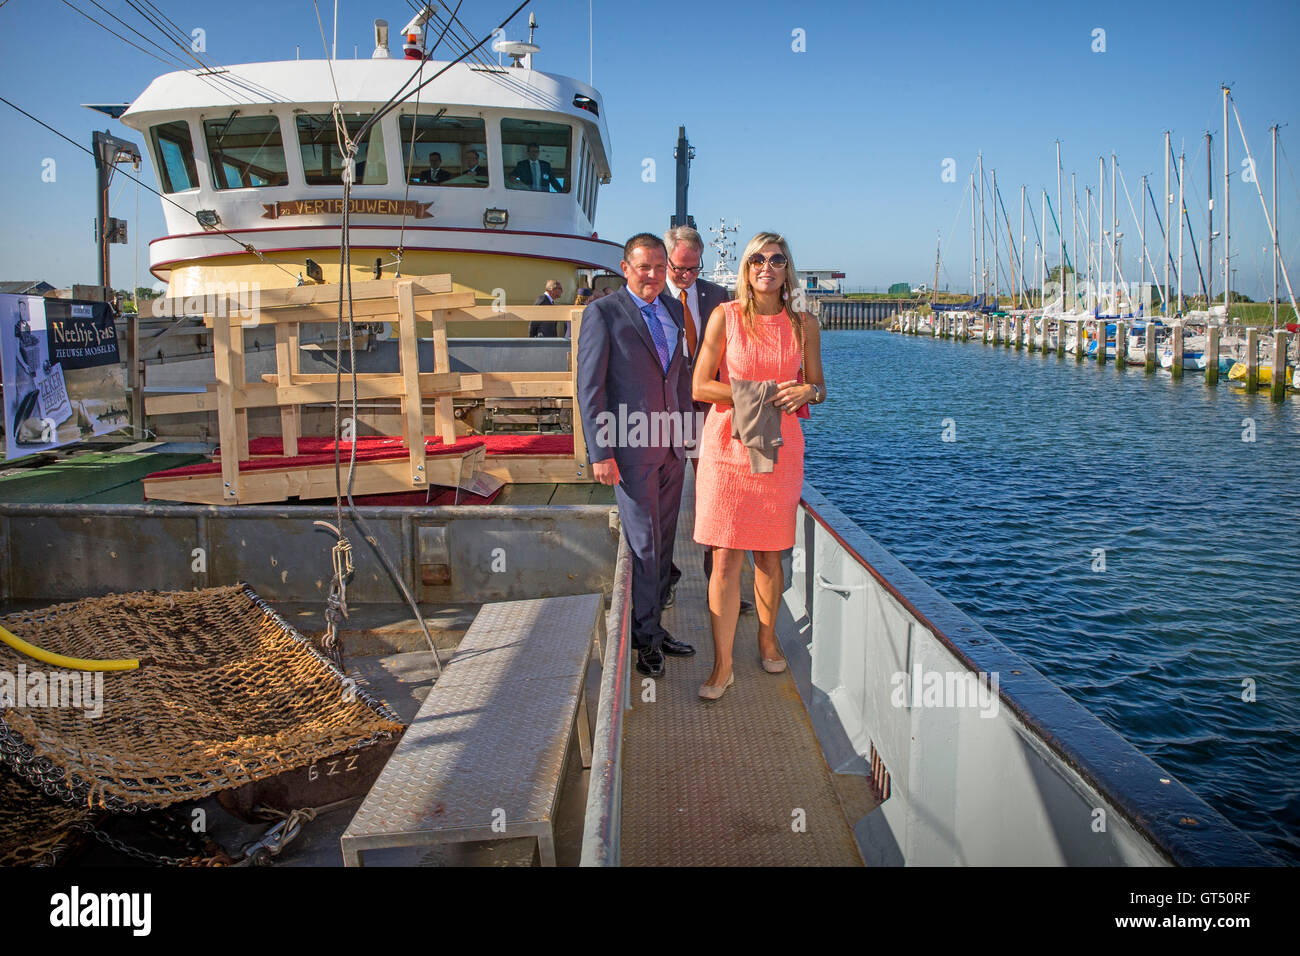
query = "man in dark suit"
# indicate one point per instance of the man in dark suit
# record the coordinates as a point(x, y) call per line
point(633, 380)
point(534, 173)
point(551, 296)
point(699, 298)
point(474, 168)
point(435, 174)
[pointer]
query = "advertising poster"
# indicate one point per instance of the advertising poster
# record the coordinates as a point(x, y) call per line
point(63, 377)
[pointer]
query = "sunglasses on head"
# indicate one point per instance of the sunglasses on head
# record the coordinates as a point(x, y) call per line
point(778, 261)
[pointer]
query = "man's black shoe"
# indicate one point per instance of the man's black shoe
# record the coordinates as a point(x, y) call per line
point(650, 662)
point(746, 607)
point(675, 647)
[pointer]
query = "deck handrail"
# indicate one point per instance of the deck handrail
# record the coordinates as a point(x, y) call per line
point(604, 818)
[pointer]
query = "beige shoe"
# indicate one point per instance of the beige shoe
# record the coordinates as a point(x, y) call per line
point(711, 692)
point(774, 665)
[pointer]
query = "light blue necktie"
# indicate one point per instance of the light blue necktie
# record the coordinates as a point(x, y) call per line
point(657, 333)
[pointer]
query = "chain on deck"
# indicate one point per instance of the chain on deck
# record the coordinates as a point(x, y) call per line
point(735, 782)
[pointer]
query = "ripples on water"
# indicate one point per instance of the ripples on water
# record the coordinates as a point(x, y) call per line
point(1201, 531)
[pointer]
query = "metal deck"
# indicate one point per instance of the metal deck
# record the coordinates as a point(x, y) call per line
point(736, 782)
point(484, 756)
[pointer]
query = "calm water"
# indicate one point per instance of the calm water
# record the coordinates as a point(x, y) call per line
point(1052, 460)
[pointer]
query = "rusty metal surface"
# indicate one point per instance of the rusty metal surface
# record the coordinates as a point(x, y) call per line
point(736, 782)
point(485, 755)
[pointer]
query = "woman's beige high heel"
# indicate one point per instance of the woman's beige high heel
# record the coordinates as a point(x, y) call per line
point(711, 692)
point(773, 665)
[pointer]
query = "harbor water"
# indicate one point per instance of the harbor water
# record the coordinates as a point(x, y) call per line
point(1134, 538)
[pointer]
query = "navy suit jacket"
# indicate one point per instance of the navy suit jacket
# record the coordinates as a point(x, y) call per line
point(524, 173)
point(710, 295)
point(618, 365)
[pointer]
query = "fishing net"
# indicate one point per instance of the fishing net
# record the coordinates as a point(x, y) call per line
point(36, 830)
point(227, 693)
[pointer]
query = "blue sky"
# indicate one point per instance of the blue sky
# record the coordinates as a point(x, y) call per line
point(840, 146)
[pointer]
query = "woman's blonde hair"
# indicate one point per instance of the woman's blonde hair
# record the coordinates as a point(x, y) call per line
point(745, 292)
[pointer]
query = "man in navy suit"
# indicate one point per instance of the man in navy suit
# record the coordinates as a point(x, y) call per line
point(534, 173)
point(633, 382)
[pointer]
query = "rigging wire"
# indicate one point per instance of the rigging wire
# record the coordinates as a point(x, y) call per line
point(246, 246)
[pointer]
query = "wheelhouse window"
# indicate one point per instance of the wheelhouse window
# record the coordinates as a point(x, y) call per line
point(535, 155)
point(245, 151)
point(441, 150)
point(322, 161)
point(173, 150)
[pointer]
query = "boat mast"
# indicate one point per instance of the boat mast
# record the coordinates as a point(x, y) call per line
point(1227, 260)
point(984, 262)
point(1101, 225)
point(1042, 268)
point(1182, 214)
point(1087, 239)
point(1074, 232)
point(974, 246)
point(1209, 222)
point(1165, 303)
point(1275, 252)
point(1142, 238)
point(1114, 239)
point(934, 289)
point(1060, 215)
point(1270, 221)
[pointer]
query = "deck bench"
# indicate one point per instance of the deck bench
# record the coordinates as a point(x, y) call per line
point(484, 758)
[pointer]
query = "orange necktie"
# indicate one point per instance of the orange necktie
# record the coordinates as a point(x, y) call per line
point(691, 337)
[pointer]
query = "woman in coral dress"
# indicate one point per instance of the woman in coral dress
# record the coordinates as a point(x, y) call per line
point(757, 338)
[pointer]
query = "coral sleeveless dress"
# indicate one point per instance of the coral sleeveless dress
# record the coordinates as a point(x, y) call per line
point(735, 508)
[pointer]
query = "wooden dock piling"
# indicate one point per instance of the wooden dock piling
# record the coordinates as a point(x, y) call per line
point(1212, 355)
point(1252, 361)
point(1101, 342)
point(1079, 350)
point(1121, 343)
point(1150, 359)
point(1177, 368)
point(1277, 386)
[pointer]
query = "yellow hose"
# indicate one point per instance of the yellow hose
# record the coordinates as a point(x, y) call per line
point(59, 660)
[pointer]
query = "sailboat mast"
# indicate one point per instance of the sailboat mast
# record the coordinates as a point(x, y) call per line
point(1275, 252)
point(1042, 274)
point(934, 289)
point(1060, 216)
point(984, 262)
point(1168, 224)
point(974, 246)
point(1074, 232)
point(1209, 221)
point(1182, 214)
point(1101, 225)
point(1114, 239)
point(1087, 238)
point(1142, 238)
point(1227, 260)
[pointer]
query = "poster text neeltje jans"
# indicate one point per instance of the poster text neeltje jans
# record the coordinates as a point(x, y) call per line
point(63, 376)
